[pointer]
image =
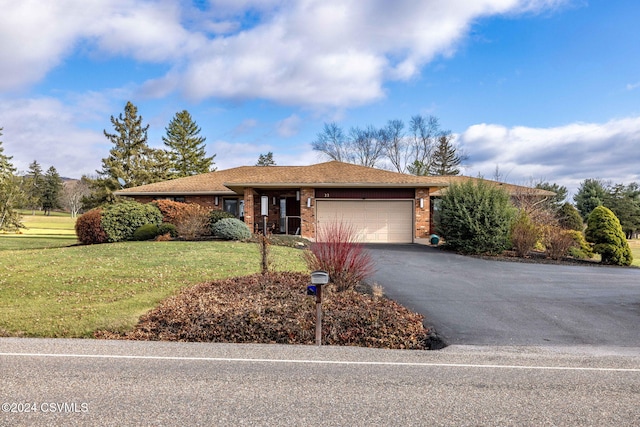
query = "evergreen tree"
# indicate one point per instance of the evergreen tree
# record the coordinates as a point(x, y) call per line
point(51, 191)
point(186, 147)
point(34, 187)
point(266, 160)
point(590, 195)
point(624, 201)
point(10, 193)
point(605, 232)
point(569, 218)
point(445, 159)
point(131, 162)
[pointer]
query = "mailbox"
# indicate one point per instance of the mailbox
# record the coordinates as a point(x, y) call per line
point(319, 277)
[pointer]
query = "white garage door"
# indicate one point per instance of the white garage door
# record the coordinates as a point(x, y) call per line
point(377, 221)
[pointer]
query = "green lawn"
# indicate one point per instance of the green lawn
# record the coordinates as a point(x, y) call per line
point(54, 231)
point(635, 250)
point(73, 291)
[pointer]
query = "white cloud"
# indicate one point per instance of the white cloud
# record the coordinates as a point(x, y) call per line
point(566, 154)
point(46, 130)
point(288, 127)
point(317, 53)
point(632, 86)
point(244, 127)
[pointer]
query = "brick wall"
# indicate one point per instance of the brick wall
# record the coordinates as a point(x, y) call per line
point(422, 214)
point(308, 215)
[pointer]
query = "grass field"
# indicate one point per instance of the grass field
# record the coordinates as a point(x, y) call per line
point(49, 286)
point(54, 231)
point(635, 250)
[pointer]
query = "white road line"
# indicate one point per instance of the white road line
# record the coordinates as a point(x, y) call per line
point(322, 362)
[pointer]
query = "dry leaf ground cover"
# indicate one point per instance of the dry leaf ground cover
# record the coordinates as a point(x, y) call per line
point(274, 308)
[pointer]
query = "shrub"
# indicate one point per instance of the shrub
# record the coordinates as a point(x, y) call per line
point(166, 228)
point(581, 249)
point(231, 229)
point(339, 253)
point(569, 218)
point(558, 241)
point(524, 234)
point(121, 220)
point(476, 217)
point(215, 216)
point(146, 232)
point(89, 228)
point(605, 232)
point(170, 210)
point(192, 222)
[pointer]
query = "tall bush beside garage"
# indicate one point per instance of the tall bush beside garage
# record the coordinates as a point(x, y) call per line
point(121, 220)
point(605, 232)
point(476, 217)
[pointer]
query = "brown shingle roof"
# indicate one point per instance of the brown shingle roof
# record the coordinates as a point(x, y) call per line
point(329, 174)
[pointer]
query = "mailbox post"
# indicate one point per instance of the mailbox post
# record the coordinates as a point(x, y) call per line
point(319, 278)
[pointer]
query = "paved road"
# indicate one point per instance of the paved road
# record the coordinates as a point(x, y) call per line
point(116, 383)
point(486, 302)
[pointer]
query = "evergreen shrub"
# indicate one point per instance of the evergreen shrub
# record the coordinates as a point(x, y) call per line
point(215, 216)
point(121, 220)
point(476, 217)
point(231, 229)
point(605, 232)
point(167, 228)
point(581, 249)
point(146, 232)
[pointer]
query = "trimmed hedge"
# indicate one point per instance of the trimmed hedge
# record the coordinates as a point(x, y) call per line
point(89, 228)
point(121, 220)
point(146, 232)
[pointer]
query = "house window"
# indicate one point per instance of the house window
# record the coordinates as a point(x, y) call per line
point(234, 206)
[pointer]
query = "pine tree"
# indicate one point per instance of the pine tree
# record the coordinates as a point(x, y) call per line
point(590, 195)
point(34, 182)
point(445, 159)
point(186, 147)
point(131, 162)
point(10, 193)
point(51, 191)
point(266, 160)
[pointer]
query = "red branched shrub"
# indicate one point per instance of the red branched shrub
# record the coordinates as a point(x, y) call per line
point(339, 253)
point(89, 228)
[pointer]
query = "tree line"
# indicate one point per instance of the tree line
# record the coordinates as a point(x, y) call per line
point(421, 148)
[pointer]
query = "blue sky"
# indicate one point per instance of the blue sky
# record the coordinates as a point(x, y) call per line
point(541, 89)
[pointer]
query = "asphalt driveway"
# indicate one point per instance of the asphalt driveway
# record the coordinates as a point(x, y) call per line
point(486, 302)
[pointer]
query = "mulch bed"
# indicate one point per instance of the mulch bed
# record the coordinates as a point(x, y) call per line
point(274, 308)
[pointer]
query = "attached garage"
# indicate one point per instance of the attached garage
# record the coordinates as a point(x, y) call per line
point(377, 221)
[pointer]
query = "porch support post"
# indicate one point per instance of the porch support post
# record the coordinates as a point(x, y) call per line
point(308, 214)
point(249, 209)
point(423, 224)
